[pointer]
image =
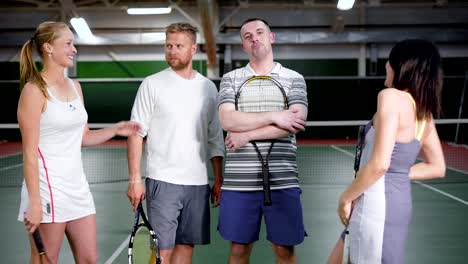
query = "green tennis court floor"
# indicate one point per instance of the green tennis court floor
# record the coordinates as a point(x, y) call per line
point(437, 235)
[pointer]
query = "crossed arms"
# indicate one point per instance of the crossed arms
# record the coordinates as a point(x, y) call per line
point(245, 127)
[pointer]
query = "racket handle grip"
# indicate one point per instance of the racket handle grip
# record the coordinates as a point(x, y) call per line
point(266, 186)
point(38, 241)
point(266, 198)
point(346, 259)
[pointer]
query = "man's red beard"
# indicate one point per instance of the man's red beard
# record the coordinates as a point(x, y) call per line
point(176, 64)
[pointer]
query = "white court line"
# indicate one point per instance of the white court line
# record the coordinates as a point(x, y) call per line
point(441, 192)
point(342, 151)
point(418, 182)
point(11, 167)
point(457, 170)
point(11, 155)
point(352, 155)
point(117, 252)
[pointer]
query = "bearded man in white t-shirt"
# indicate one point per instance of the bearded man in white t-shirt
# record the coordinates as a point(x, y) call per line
point(177, 109)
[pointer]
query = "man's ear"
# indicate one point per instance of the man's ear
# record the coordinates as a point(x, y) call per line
point(272, 37)
point(194, 48)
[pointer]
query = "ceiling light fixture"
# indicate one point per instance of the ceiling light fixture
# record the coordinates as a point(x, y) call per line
point(149, 11)
point(159, 36)
point(345, 4)
point(81, 28)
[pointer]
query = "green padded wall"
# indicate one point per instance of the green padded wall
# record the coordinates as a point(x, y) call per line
point(126, 69)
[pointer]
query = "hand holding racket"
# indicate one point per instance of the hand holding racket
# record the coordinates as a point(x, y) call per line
point(136, 193)
point(43, 258)
point(143, 246)
point(357, 162)
point(262, 94)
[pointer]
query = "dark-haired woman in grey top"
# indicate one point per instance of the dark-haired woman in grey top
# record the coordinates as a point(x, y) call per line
point(403, 125)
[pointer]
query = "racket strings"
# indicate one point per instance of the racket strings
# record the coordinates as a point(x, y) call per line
point(143, 245)
point(261, 95)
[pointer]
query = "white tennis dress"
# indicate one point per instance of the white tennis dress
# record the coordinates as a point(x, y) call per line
point(65, 193)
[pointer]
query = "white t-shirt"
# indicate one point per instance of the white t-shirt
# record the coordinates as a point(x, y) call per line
point(179, 117)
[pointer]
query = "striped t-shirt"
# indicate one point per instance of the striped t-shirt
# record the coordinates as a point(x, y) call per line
point(243, 169)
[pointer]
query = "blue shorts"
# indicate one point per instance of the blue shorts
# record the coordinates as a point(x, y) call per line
point(240, 217)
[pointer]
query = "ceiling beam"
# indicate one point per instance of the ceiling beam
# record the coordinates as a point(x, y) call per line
point(208, 16)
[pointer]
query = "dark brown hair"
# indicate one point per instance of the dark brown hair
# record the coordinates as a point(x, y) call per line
point(417, 68)
point(254, 19)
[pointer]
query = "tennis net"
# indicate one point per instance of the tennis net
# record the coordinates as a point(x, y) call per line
point(325, 155)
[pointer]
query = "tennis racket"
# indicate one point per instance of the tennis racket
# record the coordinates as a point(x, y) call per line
point(143, 247)
point(262, 94)
point(43, 258)
point(357, 162)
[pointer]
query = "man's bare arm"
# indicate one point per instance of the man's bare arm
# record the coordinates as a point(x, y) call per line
point(235, 140)
point(136, 189)
point(232, 120)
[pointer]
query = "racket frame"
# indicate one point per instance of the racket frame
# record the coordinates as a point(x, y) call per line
point(136, 226)
point(357, 161)
point(264, 161)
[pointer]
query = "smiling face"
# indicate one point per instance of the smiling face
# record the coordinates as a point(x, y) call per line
point(179, 50)
point(256, 39)
point(62, 49)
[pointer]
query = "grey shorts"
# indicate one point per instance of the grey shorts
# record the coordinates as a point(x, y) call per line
point(179, 214)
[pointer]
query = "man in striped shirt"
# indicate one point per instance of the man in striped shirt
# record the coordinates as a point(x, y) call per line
point(242, 205)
